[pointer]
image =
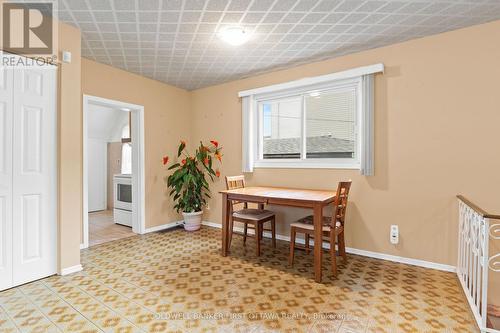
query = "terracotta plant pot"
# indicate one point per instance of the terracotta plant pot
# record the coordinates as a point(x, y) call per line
point(192, 221)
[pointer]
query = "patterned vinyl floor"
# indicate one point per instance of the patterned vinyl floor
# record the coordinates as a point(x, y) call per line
point(177, 281)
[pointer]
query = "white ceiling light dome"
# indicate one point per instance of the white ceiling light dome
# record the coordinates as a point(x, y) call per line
point(234, 35)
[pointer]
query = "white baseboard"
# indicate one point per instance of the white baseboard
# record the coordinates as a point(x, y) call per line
point(163, 227)
point(214, 225)
point(148, 230)
point(364, 253)
point(71, 270)
point(403, 260)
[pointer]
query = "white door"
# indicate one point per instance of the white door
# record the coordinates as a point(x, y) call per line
point(6, 95)
point(97, 152)
point(34, 174)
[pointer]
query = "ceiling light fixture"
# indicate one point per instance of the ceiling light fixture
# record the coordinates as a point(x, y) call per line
point(234, 35)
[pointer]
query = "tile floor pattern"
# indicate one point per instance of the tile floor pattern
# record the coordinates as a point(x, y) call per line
point(103, 229)
point(146, 283)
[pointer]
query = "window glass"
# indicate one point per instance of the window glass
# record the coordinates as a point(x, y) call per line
point(126, 132)
point(318, 124)
point(126, 152)
point(331, 124)
point(282, 128)
point(126, 158)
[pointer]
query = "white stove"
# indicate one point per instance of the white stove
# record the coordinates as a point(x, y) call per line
point(122, 212)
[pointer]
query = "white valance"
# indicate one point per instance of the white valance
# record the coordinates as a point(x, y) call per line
point(347, 74)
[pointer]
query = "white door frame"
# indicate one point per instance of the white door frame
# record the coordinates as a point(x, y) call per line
point(138, 165)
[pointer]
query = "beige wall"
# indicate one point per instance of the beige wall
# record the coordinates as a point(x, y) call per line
point(436, 134)
point(167, 120)
point(70, 149)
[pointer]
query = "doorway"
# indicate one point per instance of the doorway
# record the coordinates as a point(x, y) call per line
point(113, 170)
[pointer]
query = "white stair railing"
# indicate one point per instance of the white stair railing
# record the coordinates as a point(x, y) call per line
point(474, 260)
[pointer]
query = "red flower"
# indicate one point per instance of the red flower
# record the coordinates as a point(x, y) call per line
point(205, 161)
point(217, 173)
point(165, 160)
point(183, 161)
point(215, 143)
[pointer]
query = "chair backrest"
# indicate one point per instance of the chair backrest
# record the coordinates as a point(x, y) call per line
point(233, 183)
point(340, 203)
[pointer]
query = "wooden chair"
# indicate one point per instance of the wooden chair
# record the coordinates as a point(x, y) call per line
point(250, 217)
point(333, 227)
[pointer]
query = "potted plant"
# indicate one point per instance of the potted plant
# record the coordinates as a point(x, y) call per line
point(188, 184)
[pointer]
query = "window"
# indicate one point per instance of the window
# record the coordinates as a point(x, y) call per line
point(126, 152)
point(281, 128)
point(331, 123)
point(319, 122)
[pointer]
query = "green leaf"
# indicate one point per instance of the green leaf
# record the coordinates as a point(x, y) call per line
point(176, 165)
point(181, 148)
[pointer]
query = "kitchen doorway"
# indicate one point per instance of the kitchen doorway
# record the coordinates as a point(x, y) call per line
point(113, 170)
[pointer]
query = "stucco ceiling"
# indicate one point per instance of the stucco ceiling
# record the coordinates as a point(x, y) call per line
point(175, 41)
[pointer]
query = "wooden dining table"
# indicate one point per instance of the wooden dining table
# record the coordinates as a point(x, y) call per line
point(302, 198)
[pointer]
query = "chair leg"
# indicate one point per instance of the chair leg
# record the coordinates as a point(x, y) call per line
point(258, 233)
point(308, 249)
point(333, 253)
point(342, 247)
point(292, 245)
point(273, 231)
point(245, 231)
point(231, 230)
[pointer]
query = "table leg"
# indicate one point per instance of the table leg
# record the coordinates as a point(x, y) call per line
point(318, 241)
point(225, 224)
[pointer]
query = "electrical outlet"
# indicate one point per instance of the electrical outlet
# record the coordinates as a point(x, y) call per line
point(394, 235)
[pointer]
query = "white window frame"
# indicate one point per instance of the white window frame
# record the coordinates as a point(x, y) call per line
point(251, 124)
point(303, 162)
